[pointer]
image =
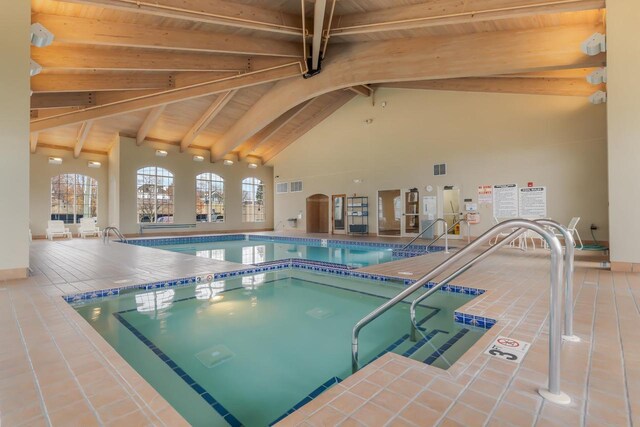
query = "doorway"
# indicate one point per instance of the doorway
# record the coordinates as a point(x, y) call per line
point(411, 213)
point(389, 212)
point(451, 203)
point(338, 214)
point(318, 213)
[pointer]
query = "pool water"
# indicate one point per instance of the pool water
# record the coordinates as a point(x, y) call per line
point(255, 252)
point(247, 350)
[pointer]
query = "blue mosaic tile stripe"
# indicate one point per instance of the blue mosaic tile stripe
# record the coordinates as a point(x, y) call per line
point(446, 346)
point(473, 320)
point(217, 406)
point(158, 241)
point(422, 342)
point(315, 393)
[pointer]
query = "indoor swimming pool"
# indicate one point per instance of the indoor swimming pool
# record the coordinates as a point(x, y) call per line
point(248, 350)
point(256, 249)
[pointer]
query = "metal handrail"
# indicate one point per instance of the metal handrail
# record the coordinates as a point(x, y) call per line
point(105, 236)
point(446, 233)
point(427, 229)
point(555, 311)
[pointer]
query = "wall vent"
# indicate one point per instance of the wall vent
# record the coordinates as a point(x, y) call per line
point(296, 186)
point(440, 169)
point(282, 187)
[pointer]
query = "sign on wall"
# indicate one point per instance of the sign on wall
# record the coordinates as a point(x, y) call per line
point(505, 201)
point(485, 195)
point(429, 207)
point(533, 202)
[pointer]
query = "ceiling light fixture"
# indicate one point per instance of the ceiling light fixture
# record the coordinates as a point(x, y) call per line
point(40, 36)
point(94, 165)
point(598, 76)
point(161, 153)
point(55, 160)
point(198, 158)
point(227, 162)
point(598, 97)
point(252, 165)
point(594, 45)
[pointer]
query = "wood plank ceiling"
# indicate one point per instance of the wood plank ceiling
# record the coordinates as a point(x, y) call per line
point(203, 74)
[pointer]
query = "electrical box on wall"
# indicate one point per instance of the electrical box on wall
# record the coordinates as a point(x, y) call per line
point(471, 207)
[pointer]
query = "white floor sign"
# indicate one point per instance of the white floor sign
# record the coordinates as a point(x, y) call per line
point(508, 349)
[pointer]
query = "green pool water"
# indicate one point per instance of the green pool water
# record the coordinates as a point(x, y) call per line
point(260, 344)
point(255, 252)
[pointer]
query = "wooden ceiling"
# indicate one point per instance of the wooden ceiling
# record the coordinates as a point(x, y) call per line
point(227, 76)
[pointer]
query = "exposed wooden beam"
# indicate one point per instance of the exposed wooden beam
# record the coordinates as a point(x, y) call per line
point(34, 114)
point(33, 141)
point(573, 73)
point(454, 56)
point(531, 86)
point(64, 99)
point(64, 148)
point(149, 123)
point(309, 124)
point(214, 109)
point(85, 31)
point(212, 12)
point(82, 137)
point(362, 90)
point(447, 12)
point(90, 82)
point(270, 130)
point(170, 96)
point(318, 22)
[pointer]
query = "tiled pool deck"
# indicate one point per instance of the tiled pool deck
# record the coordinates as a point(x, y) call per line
point(56, 370)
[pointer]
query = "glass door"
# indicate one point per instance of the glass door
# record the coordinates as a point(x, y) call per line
point(411, 215)
point(451, 209)
point(338, 212)
point(389, 212)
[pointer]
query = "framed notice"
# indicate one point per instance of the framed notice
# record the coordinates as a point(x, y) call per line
point(533, 202)
point(505, 201)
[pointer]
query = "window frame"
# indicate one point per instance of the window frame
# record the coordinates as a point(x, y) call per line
point(93, 196)
point(210, 180)
point(252, 217)
point(171, 205)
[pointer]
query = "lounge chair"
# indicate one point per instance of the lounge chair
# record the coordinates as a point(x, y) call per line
point(88, 227)
point(57, 229)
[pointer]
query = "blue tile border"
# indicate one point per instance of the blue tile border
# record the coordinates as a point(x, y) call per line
point(315, 393)
point(215, 405)
point(446, 346)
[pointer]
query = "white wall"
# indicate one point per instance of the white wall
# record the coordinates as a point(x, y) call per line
point(485, 139)
point(623, 89)
point(14, 138)
point(185, 171)
point(40, 185)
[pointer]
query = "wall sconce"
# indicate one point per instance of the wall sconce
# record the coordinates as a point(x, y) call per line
point(94, 165)
point(357, 181)
point(161, 153)
point(198, 158)
point(252, 165)
point(55, 160)
point(227, 162)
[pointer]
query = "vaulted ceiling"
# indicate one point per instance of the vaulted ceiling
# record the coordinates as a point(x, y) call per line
point(227, 76)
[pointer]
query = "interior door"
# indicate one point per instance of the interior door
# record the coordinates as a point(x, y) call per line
point(411, 213)
point(338, 214)
point(451, 209)
point(389, 213)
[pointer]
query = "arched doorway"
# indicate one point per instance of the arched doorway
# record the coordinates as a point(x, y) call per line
point(318, 213)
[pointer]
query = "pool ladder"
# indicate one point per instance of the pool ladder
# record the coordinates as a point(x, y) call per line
point(107, 230)
point(558, 267)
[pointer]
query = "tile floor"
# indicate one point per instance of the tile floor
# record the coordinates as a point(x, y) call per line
point(56, 370)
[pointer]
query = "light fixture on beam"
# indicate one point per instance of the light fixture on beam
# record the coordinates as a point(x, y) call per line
point(598, 97)
point(40, 36)
point(198, 158)
point(594, 45)
point(55, 160)
point(161, 153)
point(34, 68)
point(94, 165)
point(252, 165)
point(227, 162)
point(598, 76)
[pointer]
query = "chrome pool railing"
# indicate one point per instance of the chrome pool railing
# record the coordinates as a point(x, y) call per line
point(429, 227)
point(553, 392)
point(107, 230)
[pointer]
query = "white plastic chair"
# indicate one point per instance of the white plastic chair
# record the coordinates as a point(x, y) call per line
point(57, 229)
point(88, 227)
point(501, 235)
point(571, 228)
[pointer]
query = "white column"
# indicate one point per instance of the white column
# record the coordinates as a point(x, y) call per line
point(623, 121)
point(14, 139)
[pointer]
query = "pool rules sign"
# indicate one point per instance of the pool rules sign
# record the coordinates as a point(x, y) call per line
point(533, 202)
point(508, 349)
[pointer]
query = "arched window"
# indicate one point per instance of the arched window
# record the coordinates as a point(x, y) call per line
point(73, 196)
point(209, 198)
point(252, 200)
point(155, 195)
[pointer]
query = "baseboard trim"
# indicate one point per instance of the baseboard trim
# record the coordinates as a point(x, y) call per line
point(625, 267)
point(14, 273)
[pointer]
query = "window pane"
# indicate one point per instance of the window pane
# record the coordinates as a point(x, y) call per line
point(155, 195)
point(209, 198)
point(73, 197)
point(253, 200)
